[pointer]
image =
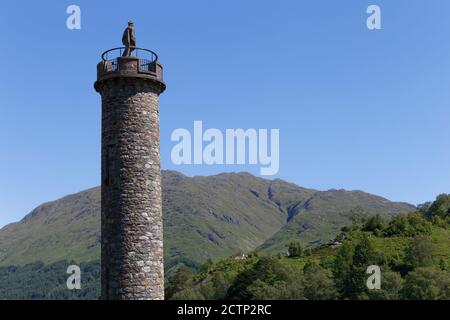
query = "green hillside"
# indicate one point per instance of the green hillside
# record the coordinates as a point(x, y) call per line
point(67, 229)
point(412, 251)
point(320, 217)
point(204, 218)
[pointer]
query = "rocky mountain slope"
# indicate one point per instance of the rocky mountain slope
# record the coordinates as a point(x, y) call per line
point(204, 217)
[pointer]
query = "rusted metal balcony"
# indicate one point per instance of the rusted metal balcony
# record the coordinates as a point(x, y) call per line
point(142, 63)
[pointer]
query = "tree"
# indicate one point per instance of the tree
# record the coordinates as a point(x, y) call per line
point(364, 256)
point(318, 283)
point(418, 225)
point(391, 287)
point(295, 249)
point(427, 284)
point(206, 289)
point(221, 285)
point(181, 280)
point(424, 208)
point(268, 270)
point(341, 268)
point(409, 225)
point(419, 253)
point(397, 226)
point(350, 268)
point(206, 266)
point(440, 221)
point(260, 290)
point(187, 294)
point(441, 206)
point(375, 224)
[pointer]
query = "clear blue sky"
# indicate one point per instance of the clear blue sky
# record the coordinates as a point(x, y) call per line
point(356, 109)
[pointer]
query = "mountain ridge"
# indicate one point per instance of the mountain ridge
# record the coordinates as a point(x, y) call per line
point(205, 217)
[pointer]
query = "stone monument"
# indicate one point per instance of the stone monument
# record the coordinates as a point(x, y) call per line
point(131, 214)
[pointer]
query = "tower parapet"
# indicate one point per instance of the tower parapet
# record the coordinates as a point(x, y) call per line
point(142, 64)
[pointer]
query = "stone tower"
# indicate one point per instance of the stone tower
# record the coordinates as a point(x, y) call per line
point(131, 219)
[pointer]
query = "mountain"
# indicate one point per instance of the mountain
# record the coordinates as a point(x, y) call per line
point(204, 218)
point(66, 229)
point(322, 216)
point(218, 216)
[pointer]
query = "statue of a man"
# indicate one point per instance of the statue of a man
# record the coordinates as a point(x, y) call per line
point(129, 39)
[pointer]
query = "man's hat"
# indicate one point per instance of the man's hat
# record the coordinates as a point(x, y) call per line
point(130, 22)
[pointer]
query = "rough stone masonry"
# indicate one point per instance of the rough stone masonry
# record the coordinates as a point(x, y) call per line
point(132, 227)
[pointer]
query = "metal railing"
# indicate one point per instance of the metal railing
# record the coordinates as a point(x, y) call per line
point(143, 54)
point(145, 64)
point(114, 64)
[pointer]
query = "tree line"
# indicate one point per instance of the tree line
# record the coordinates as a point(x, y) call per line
point(417, 269)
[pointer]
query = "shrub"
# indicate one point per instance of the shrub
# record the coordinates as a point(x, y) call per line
point(295, 249)
point(409, 225)
point(419, 253)
point(375, 224)
point(318, 283)
point(427, 284)
point(391, 287)
point(441, 206)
